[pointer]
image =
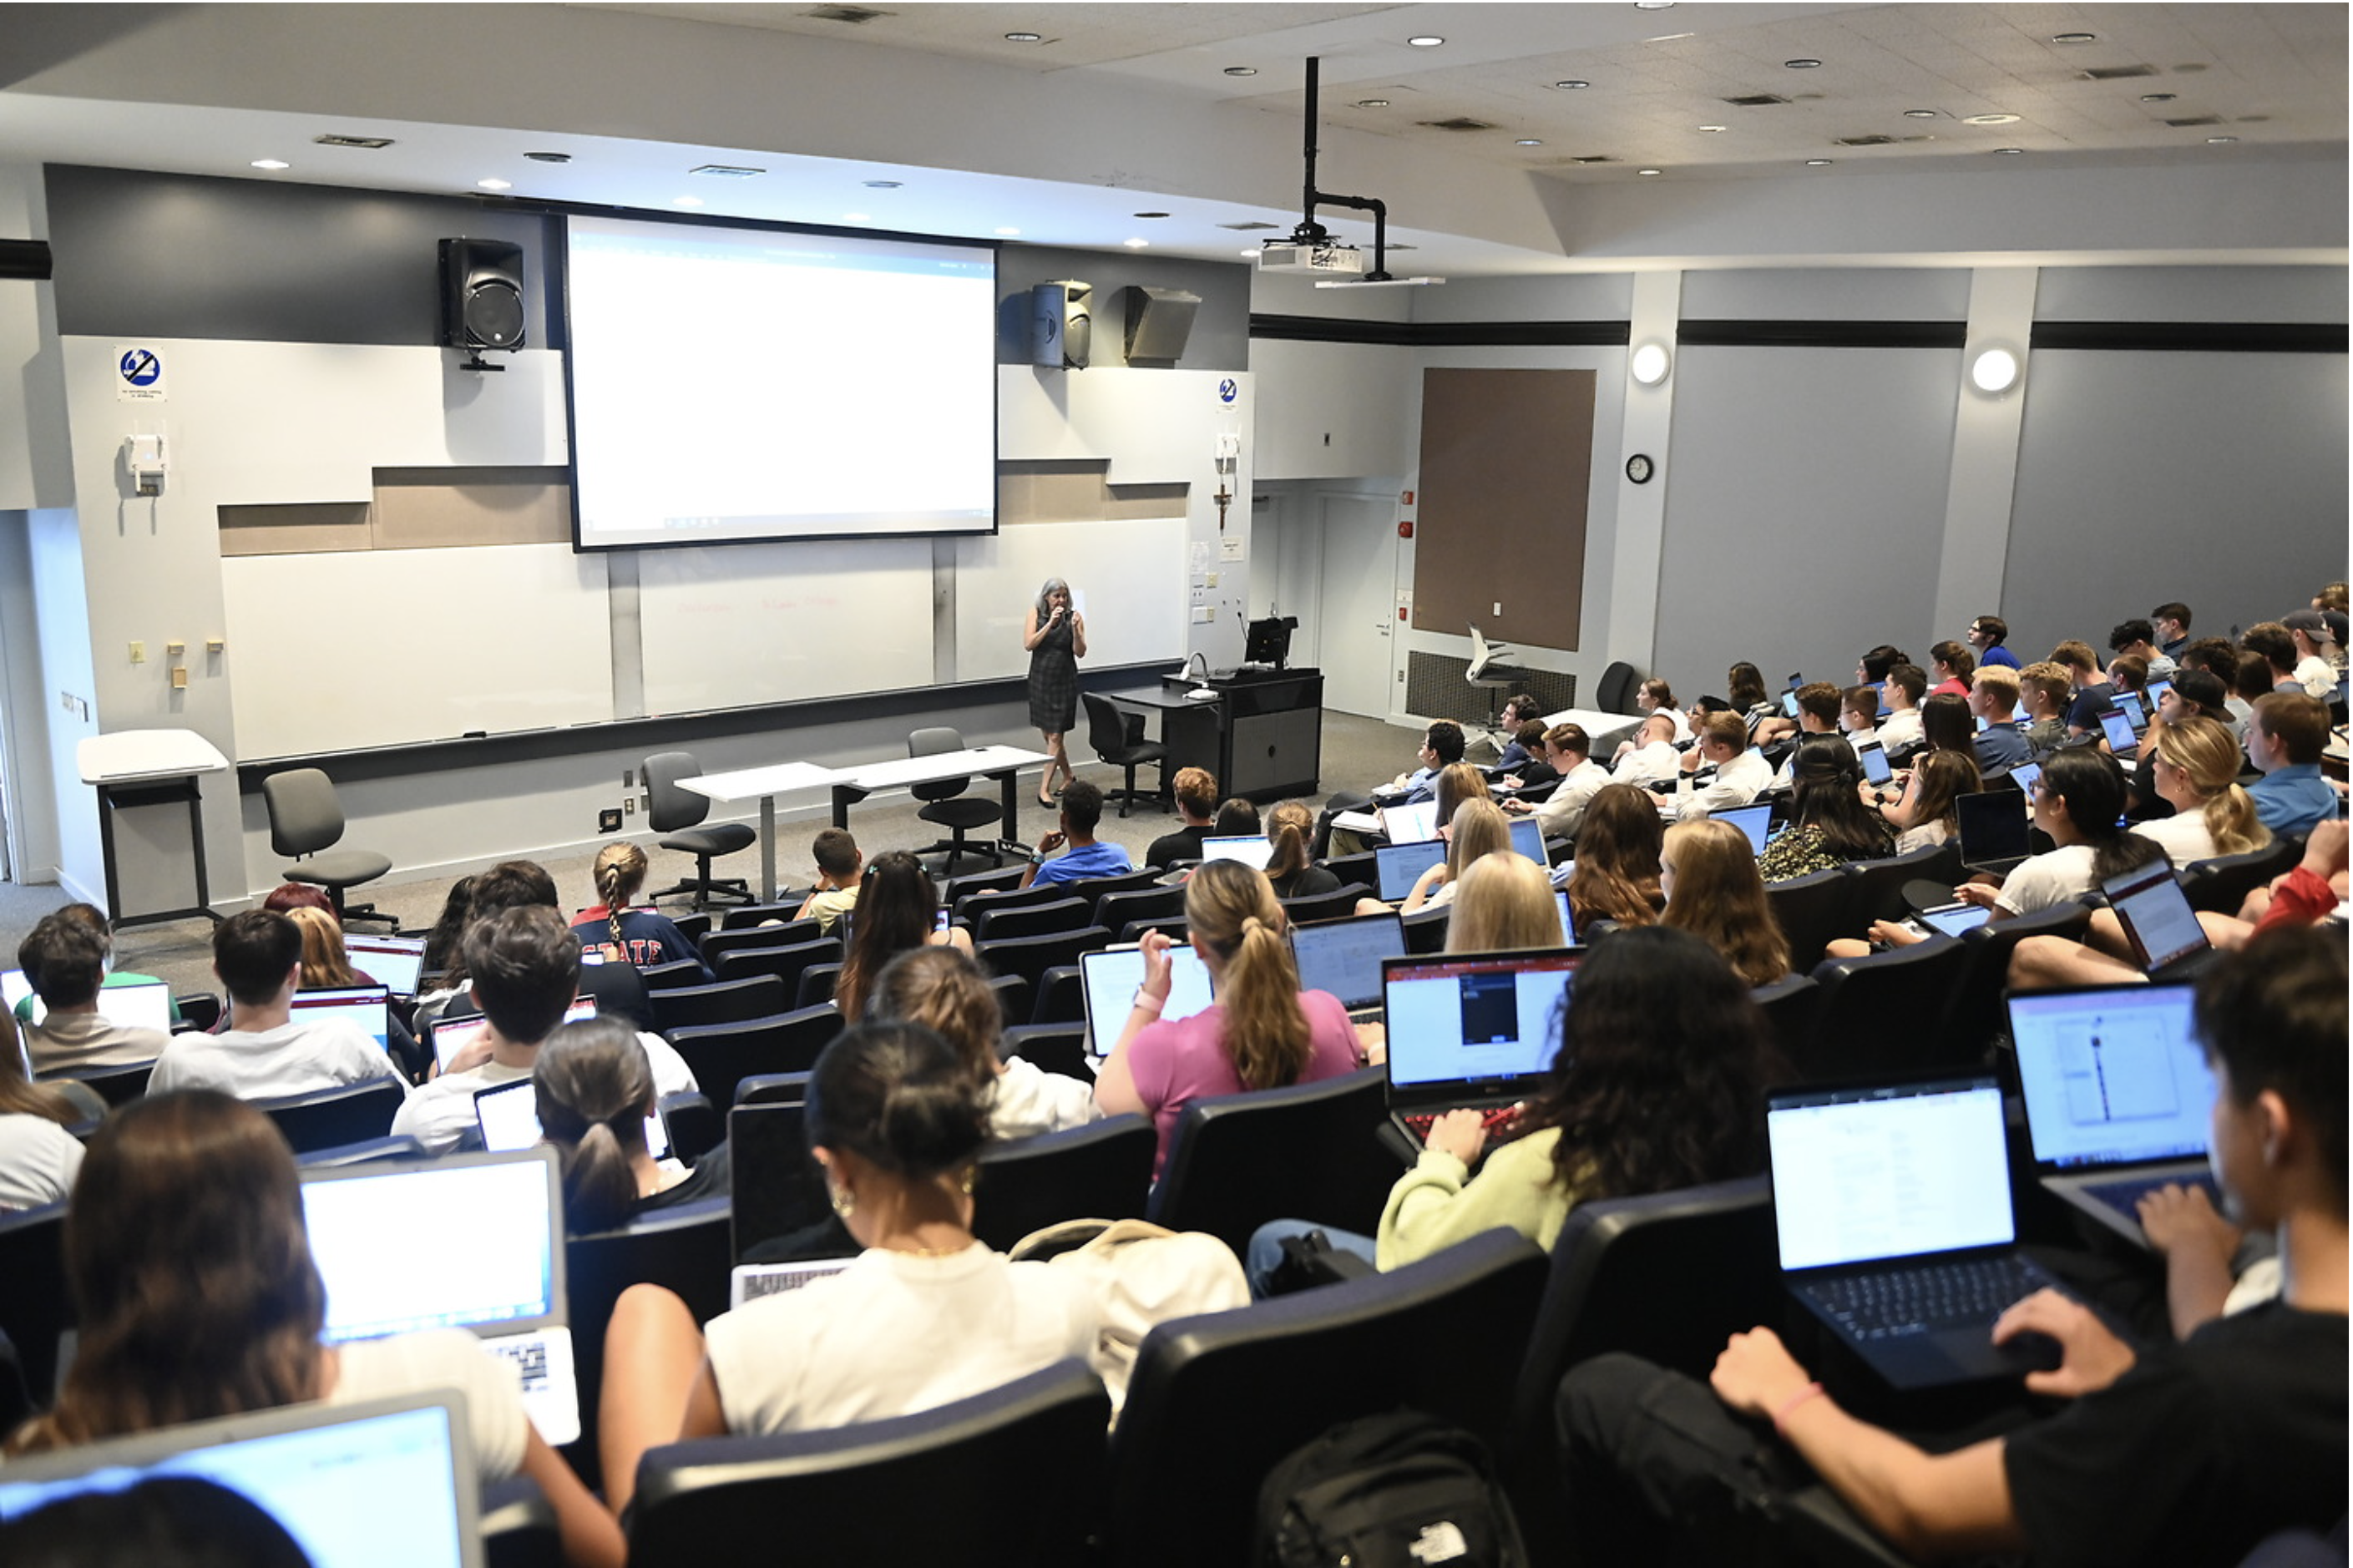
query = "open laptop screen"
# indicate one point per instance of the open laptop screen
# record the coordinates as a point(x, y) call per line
point(1399, 866)
point(2156, 914)
point(451, 1036)
point(1473, 1017)
point(395, 961)
point(1888, 1170)
point(509, 1118)
point(365, 1007)
point(1527, 839)
point(2111, 1075)
point(1252, 849)
point(2117, 728)
point(470, 1241)
point(1343, 957)
point(1756, 821)
point(1992, 826)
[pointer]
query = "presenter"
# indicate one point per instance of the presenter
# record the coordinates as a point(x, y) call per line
point(1056, 636)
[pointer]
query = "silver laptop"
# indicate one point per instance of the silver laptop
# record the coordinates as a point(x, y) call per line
point(1527, 839)
point(451, 1036)
point(1892, 1205)
point(2118, 1096)
point(470, 1241)
point(1108, 980)
point(2166, 941)
point(356, 1486)
point(508, 1115)
point(1344, 958)
point(1399, 867)
point(395, 962)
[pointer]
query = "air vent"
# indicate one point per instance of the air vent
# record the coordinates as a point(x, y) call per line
point(2117, 73)
point(332, 139)
point(1595, 158)
point(856, 15)
point(1757, 100)
point(2198, 120)
point(1250, 227)
point(1459, 122)
point(727, 170)
point(1866, 141)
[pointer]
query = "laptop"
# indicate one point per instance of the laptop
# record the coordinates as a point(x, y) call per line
point(1527, 839)
point(395, 962)
point(1344, 958)
point(2168, 942)
point(1252, 849)
point(1950, 919)
point(367, 1008)
point(2128, 703)
point(1754, 820)
point(1108, 981)
point(143, 1005)
point(1993, 831)
point(1892, 1206)
point(1568, 918)
point(470, 1241)
point(451, 1036)
point(1410, 824)
point(1470, 1030)
point(775, 1189)
point(356, 1486)
point(1399, 866)
point(509, 1118)
point(2118, 1096)
point(2122, 740)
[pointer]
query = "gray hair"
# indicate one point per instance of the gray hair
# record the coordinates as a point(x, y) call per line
point(1045, 594)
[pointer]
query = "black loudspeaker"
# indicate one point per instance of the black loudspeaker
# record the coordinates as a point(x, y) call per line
point(481, 294)
point(1061, 324)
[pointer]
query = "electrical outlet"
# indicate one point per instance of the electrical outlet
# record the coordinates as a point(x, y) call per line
point(630, 806)
point(609, 821)
point(139, 653)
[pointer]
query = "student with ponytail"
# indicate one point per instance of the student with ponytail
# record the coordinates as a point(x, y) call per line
point(1260, 1032)
point(594, 1088)
point(2194, 765)
point(1290, 828)
point(639, 937)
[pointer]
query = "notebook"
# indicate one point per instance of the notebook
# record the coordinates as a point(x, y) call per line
point(470, 1241)
point(395, 962)
point(508, 1115)
point(2168, 942)
point(1399, 866)
point(1252, 849)
point(1475, 1031)
point(379, 1482)
point(2118, 1096)
point(1108, 981)
point(1410, 824)
point(451, 1036)
point(1344, 958)
point(1993, 831)
point(367, 1008)
point(1756, 821)
point(1892, 1205)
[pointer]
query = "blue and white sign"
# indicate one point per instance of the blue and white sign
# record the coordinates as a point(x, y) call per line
point(1227, 390)
point(138, 374)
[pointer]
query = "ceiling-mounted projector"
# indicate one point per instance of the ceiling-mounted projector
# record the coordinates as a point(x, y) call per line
point(1327, 257)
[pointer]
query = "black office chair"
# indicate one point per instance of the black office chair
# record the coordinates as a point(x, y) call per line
point(947, 804)
point(346, 1113)
point(1312, 1150)
point(1004, 1480)
point(305, 819)
point(1101, 1171)
point(1217, 1400)
point(1108, 733)
point(1615, 693)
point(684, 1249)
point(678, 813)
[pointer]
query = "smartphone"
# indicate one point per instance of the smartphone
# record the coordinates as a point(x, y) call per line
point(940, 921)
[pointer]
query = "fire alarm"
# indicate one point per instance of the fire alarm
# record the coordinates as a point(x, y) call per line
point(1405, 528)
point(1402, 612)
point(1408, 498)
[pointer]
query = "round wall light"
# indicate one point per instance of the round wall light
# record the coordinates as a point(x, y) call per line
point(1994, 371)
point(1649, 364)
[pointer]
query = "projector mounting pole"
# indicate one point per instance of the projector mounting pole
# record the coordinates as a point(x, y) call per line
point(1309, 231)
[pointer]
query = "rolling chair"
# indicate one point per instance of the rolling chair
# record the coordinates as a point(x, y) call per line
point(945, 803)
point(1108, 733)
point(676, 812)
point(306, 818)
point(1486, 672)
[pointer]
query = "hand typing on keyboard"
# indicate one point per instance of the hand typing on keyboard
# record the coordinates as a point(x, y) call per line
point(1463, 1133)
point(2090, 1357)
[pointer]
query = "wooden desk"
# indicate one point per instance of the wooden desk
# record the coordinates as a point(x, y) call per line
point(1002, 763)
point(764, 784)
point(150, 767)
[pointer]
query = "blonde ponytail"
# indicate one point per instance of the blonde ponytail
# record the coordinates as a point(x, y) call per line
point(1231, 908)
point(620, 871)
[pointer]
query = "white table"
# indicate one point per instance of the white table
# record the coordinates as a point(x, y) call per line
point(999, 763)
point(764, 784)
point(150, 767)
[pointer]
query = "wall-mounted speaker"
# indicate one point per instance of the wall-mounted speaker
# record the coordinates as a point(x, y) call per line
point(1158, 323)
point(1061, 324)
point(481, 294)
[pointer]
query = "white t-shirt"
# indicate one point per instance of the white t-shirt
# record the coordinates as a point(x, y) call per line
point(1928, 835)
point(292, 1059)
point(2319, 676)
point(439, 1114)
point(2046, 879)
point(38, 1162)
point(444, 1358)
point(1900, 729)
point(1027, 1100)
point(1562, 813)
point(2183, 837)
point(892, 1334)
point(1644, 764)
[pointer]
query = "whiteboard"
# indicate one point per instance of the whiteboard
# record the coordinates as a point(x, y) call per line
point(1128, 576)
point(344, 650)
point(777, 623)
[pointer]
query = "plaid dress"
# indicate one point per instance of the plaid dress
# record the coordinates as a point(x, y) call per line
point(1054, 681)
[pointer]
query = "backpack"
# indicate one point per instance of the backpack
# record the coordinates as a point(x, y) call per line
point(1400, 1491)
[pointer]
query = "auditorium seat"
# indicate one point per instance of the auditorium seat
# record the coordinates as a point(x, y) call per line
point(1875, 1016)
point(1309, 907)
point(1100, 1171)
point(1117, 911)
point(721, 1056)
point(788, 962)
point(724, 1001)
point(731, 939)
point(35, 1305)
point(1812, 911)
point(1308, 1150)
point(1048, 919)
point(346, 1113)
point(1031, 956)
point(2220, 885)
point(1975, 1018)
point(684, 1249)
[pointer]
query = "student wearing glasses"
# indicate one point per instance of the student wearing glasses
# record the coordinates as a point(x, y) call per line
point(1986, 635)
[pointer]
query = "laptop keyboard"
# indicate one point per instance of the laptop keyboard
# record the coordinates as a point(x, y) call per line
point(529, 1355)
point(2125, 1196)
point(1496, 1119)
point(1925, 1297)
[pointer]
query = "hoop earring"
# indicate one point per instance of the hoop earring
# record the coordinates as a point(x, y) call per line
point(967, 1183)
point(844, 1202)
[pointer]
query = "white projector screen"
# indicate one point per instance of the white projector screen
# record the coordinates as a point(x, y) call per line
point(758, 383)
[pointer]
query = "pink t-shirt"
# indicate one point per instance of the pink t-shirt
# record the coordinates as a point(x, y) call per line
point(1175, 1064)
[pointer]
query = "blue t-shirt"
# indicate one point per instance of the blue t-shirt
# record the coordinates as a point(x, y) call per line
point(1998, 655)
point(1096, 860)
point(2000, 747)
point(2293, 799)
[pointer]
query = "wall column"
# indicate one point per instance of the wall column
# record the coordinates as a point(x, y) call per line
point(1984, 477)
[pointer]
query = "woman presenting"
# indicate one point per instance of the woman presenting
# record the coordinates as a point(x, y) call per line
point(1056, 636)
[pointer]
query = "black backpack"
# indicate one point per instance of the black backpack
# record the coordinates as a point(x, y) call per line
point(1400, 1491)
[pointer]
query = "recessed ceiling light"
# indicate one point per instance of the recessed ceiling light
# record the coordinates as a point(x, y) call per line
point(2156, 98)
point(2074, 38)
point(1247, 254)
point(1572, 85)
point(1919, 114)
point(1990, 119)
point(2008, 151)
point(549, 157)
point(1802, 64)
point(1425, 40)
point(1711, 128)
point(272, 163)
point(1135, 243)
point(882, 185)
point(2219, 140)
point(1241, 70)
point(1008, 233)
point(494, 184)
point(686, 201)
point(1818, 163)
point(1147, 214)
point(1528, 141)
point(1646, 170)
point(727, 170)
point(1652, 4)
point(1372, 103)
point(1025, 38)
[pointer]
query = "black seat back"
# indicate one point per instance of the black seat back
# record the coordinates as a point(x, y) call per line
point(1879, 1014)
point(723, 1002)
point(347, 1113)
point(683, 1248)
point(1238, 1160)
point(1101, 1171)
